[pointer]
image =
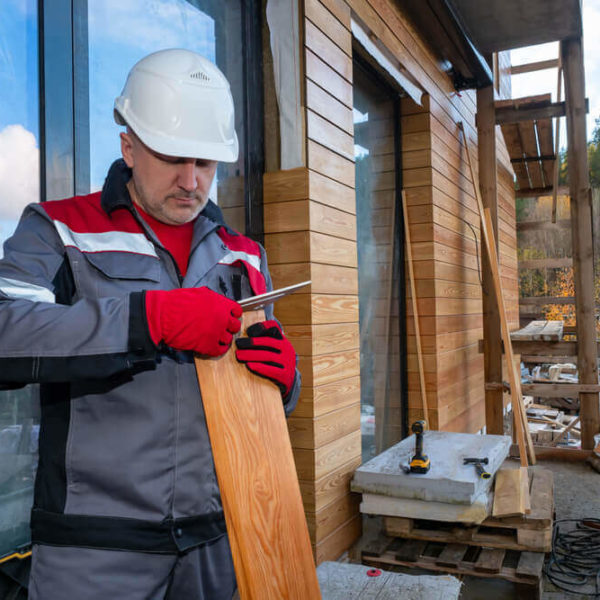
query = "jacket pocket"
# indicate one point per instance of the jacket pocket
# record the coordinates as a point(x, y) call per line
point(108, 274)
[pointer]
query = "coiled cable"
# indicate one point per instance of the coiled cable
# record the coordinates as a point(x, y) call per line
point(574, 562)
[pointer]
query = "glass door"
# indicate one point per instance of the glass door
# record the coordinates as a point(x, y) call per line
point(380, 261)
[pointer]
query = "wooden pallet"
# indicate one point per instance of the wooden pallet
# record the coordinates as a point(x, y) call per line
point(520, 567)
point(531, 532)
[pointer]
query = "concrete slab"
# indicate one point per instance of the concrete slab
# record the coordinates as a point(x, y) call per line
point(345, 581)
point(448, 480)
point(388, 506)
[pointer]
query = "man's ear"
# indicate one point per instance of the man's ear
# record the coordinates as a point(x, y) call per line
point(127, 148)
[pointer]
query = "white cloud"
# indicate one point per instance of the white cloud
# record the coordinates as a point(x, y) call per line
point(19, 170)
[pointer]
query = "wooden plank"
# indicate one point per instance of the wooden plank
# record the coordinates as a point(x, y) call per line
point(452, 555)
point(530, 149)
point(512, 138)
point(559, 390)
point(546, 263)
point(541, 300)
point(545, 191)
point(329, 135)
point(509, 499)
point(330, 164)
point(323, 47)
point(492, 336)
point(571, 53)
point(548, 331)
point(543, 225)
point(546, 348)
point(490, 560)
point(539, 65)
point(329, 24)
point(415, 311)
point(329, 107)
point(322, 74)
point(523, 436)
point(530, 564)
point(266, 522)
point(530, 112)
point(338, 541)
point(544, 135)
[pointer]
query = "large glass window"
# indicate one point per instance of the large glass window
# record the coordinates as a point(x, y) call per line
point(121, 33)
point(379, 262)
point(19, 185)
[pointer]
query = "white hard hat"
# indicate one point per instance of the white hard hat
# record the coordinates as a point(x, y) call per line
point(179, 104)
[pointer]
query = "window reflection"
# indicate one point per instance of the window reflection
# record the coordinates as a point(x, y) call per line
point(375, 164)
point(121, 33)
point(19, 185)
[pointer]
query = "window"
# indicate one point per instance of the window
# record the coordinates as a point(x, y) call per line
point(211, 28)
point(58, 138)
point(380, 260)
point(19, 185)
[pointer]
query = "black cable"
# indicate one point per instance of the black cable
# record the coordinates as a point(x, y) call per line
point(575, 558)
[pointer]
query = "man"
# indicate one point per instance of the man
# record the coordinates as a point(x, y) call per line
point(103, 300)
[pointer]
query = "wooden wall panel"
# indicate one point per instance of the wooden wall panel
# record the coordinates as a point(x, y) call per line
point(310, 230)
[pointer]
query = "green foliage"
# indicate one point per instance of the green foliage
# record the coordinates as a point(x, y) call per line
point(593, 159)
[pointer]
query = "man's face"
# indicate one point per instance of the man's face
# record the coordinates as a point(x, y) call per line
point(170, 189)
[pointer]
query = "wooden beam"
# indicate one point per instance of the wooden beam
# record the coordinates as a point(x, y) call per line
point(541, 300)
point(526, 159)
point(487, 234)
point(492, 336)
point(559, 390)
point(571, 53)
point(540, 65)
point(537, 192)
point(546, 348)
point(546, 263)
point(532, 112)
point(544, 225)
point(551, 453)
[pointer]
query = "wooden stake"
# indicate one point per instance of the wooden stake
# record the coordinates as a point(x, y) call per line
point(257, 477)
point(413, 295)
point(556, 146)
point(523, 435)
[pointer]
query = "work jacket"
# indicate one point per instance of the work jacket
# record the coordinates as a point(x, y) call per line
point(125, 460)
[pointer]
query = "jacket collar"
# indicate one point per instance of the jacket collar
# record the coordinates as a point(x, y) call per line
point(116, 195)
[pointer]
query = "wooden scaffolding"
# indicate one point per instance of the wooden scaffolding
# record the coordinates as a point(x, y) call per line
point(527, 128)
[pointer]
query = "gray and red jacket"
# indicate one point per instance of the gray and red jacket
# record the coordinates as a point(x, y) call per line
point(125, 460)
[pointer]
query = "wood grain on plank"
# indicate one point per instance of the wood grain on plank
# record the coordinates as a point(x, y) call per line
point(258, 483)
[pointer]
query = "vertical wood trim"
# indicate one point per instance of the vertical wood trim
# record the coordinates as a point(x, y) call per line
point(492, 345)
point(581, 220)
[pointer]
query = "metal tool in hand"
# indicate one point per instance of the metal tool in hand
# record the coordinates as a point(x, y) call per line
point(260, 301)
point(478, 464)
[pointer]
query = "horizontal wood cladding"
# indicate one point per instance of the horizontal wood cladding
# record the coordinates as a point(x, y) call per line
point(300, 309)
point(334, 23)
point(339, 540)
point(316, 401)
point(306, 215)
point(316, 463)
point(327, 368)
point(316, 495)
point(308, 433)
point(325, 48)
point(323, 339)
point(332, 516)
point(322, 74)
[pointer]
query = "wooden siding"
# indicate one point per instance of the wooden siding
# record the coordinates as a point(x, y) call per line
point(310, 231)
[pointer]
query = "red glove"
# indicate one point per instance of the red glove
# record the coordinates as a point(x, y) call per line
point(195, 319)
point(268, 353)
